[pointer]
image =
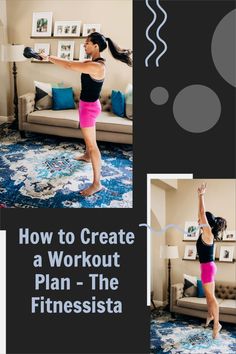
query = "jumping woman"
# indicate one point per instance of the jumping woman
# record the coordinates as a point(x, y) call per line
point(205, 248)
point(92, 78)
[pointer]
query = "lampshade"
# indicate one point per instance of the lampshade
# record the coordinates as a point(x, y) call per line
point(12, 52)
point(169, 252)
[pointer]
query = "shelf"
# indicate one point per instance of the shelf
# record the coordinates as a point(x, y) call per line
point(40, 62)
point(215, 260)
point(222, 241)
point(48, 62)
point(57, 37)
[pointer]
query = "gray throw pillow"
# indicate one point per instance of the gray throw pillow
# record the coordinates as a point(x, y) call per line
point(190, 285)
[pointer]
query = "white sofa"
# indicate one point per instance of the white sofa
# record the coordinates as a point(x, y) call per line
point(195, 306)
point(109, 127)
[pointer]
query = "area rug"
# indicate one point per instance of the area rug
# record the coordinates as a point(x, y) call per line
point(40, 172)
point(187, 335)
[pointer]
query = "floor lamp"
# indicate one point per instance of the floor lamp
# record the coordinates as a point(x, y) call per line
point(169, 252)
point(14, 53)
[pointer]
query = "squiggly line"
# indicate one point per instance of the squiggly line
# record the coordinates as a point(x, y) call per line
point(147, 33)
point(158, 31)
point(171, 226)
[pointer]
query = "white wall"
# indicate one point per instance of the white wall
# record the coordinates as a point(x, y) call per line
point(115, 17)
point(4, 67)
point(158, 221)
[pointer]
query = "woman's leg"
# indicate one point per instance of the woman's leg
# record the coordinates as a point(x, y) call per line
point(213, 307)
point(84, 157)
point(89, 135)
point(209, 314)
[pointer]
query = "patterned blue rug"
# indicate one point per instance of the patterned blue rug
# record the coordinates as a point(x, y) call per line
point(40, 172)
point(187, 335)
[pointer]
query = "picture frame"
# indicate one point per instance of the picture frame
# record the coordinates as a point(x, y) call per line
point(229, 236)
point(226, 253)
point(91, 27)
point(190, 252)
point(67, 29)
point(65, 50)
point(82, 55)
point(42, 24)
point(42, 48)
point(193, 227)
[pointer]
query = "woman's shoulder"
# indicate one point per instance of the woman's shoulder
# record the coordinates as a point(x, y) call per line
point(100, 60)
point(207, 239)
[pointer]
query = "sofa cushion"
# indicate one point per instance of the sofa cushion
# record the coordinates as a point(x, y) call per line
point(62, 98)
point(225, 290)
point(106, 121)
point(43, 94)
point(196, 303)
point(129, 101)
point(190, 285)
point(64, 118)
point(228, 306)
point(200, 289)
point(118, 103)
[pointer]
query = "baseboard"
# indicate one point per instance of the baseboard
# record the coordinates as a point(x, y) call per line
point(4, 119)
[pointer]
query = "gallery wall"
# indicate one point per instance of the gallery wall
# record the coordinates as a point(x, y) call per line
point(115, 17)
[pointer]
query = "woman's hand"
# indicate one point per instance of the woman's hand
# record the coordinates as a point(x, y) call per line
point(44, 56)
point(202, 189)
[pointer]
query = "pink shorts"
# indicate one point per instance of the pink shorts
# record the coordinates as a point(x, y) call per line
point(208, 272)
point(88, 112)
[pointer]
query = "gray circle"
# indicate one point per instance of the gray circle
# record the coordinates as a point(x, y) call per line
point(223, 48)
point(196, 108)
point(159, 95)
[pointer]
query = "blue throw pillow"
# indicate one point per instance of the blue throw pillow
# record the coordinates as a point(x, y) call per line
point(118, 103)
point(62, 98)
point(200, 289)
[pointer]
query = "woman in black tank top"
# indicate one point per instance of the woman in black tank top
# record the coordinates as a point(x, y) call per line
point(93, 74)
point(210, 228)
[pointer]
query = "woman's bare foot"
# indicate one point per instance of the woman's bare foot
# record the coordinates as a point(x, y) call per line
point(94, 188)
point(85, 157)
point(208, 320)
point(216, 330)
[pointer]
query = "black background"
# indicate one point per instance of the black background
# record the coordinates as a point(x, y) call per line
point(76, 333)
point(160, 146)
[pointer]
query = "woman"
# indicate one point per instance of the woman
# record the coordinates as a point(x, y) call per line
point(92, 78)
point(211, 227)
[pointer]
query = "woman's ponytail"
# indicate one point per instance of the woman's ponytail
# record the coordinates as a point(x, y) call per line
point(118, 53)
point(217, 224)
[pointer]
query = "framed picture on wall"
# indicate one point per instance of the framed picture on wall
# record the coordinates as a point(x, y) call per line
point(89, 28)
point(65, 50)
point(82, 55)
point(192, 228)
point(190, 252)
point(67, 29)
point(42, 24)
point(42, 48)
point(229, 236)
point(226, 253)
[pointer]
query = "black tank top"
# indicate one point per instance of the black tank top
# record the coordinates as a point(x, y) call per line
point(90, 88)
point(205, 251)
